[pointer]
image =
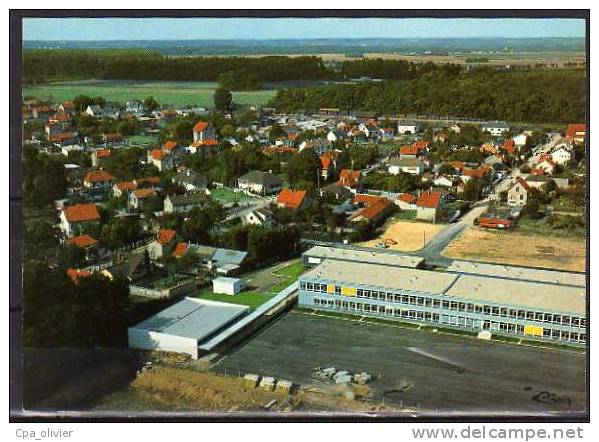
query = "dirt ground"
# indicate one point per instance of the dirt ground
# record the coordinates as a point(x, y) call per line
point(408, 235)
point(164, 389)
point(519, 249)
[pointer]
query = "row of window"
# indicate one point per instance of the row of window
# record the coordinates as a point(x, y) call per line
point(457, 321)
point(528, 315)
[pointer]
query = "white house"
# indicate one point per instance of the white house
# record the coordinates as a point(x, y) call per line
point(520, 140)
point(562, 155)
point(517, 194)
point(407, 128)
point(414, 166)
point(259, 217)
point(227, 286)
point(495, 128)
point(443, 181)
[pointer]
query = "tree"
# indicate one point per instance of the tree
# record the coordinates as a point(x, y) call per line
point(473, 190)
point(227, 131)
point(303, 167)
point(150, 104)
point(223, 100)
point(276, 131)
point(446, 169)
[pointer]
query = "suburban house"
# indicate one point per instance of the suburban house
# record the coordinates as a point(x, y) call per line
point(94, 110)
point(259, 217)
point(407, 127)
point(480, 173)
point(546, 164)
point(406, 201)
point(428, 206)
point(414, 166)
point(136, 107)
point(443, 181)
point(192, 181)
point(374, 212)
point(261, 183)
point(562, 155)
point(203, 131)
point(517, 194)
point(349, 178)
point(520, 140)
point(495, 128)
point(67, 107)
point(161, 159)
point(408, 152)
point(328, 162)
point(140, 197)
point(123, 188)
point(576, 132)
point(74, 219)
point(184, 203)
point(98, 180)
point(509, 146)
point(163, 245)
point(172, 148)
point(98, 156)
point(87, 243)
point(291, 199)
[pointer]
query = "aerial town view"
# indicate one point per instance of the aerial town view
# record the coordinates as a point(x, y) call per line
point(300, 223)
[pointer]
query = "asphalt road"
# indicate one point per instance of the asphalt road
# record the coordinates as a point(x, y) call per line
point(438, 373)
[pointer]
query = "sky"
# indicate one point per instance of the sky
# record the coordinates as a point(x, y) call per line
point(292, 28)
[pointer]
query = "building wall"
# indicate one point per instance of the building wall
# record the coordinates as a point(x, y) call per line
point(517, 196)
point(426, 214)
point(440, 310)
point(150, 340)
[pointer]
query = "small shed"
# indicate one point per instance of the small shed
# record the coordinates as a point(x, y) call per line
point(227, 286)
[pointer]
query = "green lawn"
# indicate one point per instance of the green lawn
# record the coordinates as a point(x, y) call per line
point(142, 140)
point(228, 196)
point(251, 299)
point(177, 93)
point(564, 226)
point(404, 215)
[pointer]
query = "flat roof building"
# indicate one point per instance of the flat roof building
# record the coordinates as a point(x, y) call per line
point(527, 303)
point(317, 254)
point(182, 326)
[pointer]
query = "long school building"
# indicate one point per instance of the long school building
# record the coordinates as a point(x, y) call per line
point(513, 301)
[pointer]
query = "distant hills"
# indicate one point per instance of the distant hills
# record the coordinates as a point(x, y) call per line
point(318, 46)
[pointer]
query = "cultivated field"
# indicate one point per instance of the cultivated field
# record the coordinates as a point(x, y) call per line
point(409, 236)
point(519, 249)
point(177, 93)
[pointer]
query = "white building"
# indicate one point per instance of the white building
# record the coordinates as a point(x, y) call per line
point(227, 286)
point(407, 128)
point(495, 128)
point(562, 155)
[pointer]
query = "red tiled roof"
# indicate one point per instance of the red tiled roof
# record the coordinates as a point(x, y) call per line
point(420, 145)
point(200, 126)
point(148, 179)
point(429, 199)
point(510, 146)
point(165, 236)
point(368, 200)
point(348, 177)
point(407, 198)
point(83, 241)
point(291, 199)
point(81, 213)
point(523, 183)
point(126, 185)
point(180, 249)
point(62, 137)
point(457, 165)
point(157, 154)
point(475, 173)
point(576, 128)
point(269, 150)
point(75, 274)
point(408, 150)
point(68, 105)
point(326, 158)
point(206, 143)
point(374, 210)
point(103, 153)
point(97, 176)
point(144, 193)
point(169, 145)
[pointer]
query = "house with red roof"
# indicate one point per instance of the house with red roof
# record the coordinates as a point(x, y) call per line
point(428, 206)
point(75, 219)
point(509, 146)
point(546, 164)
point(406, 201)
point(328, 162)
point(163, 244)
point(576, 132)
point(203, 131)
point(349, 178)
point(292, 199)
point(98, 156)
point(98, 180)
point(375, 211)
point(87, 243)
point(408, 151)
point(161, 159)
point(76, 274)
point(123, 188)
point(517, 194)
point(140, 198)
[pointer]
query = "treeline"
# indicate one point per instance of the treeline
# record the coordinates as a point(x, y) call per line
point(39, 66)
point(531, 96)
point(234, 73)
point(394, 69)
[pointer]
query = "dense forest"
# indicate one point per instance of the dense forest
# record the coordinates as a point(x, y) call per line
point(531, 96)
point(40, 66)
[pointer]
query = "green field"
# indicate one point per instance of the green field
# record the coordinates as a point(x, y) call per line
point(176, 93)
point(228, 196)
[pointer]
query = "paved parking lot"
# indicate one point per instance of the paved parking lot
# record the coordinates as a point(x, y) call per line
point(437, 372)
